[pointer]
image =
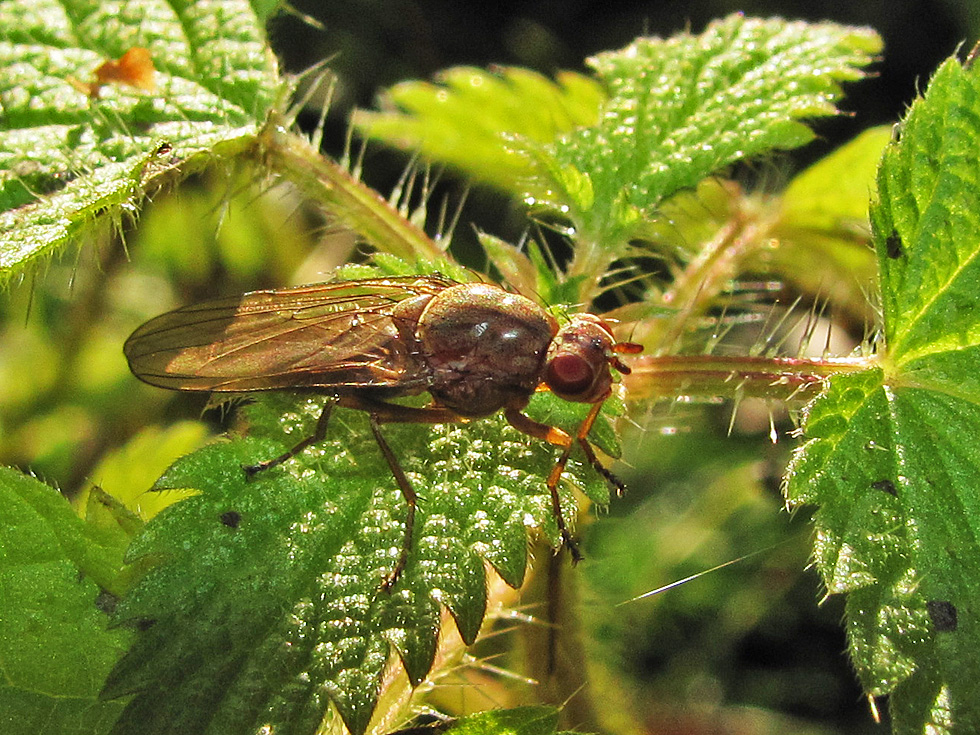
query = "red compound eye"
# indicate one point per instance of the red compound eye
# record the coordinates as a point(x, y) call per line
point(569, 375)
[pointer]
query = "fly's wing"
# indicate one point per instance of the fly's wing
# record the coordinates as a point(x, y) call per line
point(340, 336)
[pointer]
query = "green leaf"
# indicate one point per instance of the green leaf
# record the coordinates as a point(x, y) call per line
point(927, 226)
point(831, 196)
point(71, 159)
point(823, 230)
point(517, 721)
point(268, 603)
point(682, 108)
point(891, 455)
point(467, 118)
point(55, 650)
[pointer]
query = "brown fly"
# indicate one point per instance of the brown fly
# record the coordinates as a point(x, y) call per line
point(475, 348)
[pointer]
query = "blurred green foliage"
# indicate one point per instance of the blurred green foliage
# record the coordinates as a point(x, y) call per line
point(741, 647)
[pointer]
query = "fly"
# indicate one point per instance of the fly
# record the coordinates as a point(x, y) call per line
point(473, 347)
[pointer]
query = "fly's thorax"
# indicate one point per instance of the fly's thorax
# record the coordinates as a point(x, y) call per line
point(578, 360)
point(406, 318)
point(486, 347)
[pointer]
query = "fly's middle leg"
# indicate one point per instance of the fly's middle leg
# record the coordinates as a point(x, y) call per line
point(317, 436)
point(411, 499)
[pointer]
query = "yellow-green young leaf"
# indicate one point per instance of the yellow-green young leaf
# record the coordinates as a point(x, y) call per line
point(55, 649)
point(823, 233)
point(683, 107)
point(128, 473)
point(101, 102)
point(891, 455)
point(468, 118)
point(517, 721)
point(831, 196)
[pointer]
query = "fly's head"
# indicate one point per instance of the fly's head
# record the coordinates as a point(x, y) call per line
point(577, 367)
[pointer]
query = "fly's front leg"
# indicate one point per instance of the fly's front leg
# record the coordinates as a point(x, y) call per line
point(582, 436)
point(556, 436)
point(559, 438)
point(599, 467)
point(318, 435)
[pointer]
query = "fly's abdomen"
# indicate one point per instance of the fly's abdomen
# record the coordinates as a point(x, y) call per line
point(485, 348)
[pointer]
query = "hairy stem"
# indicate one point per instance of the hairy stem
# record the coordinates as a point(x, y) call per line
point(708, 376)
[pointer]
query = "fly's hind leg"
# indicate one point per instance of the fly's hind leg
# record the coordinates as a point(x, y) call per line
point(317, 436)
point(379, 412)
point(390, 413)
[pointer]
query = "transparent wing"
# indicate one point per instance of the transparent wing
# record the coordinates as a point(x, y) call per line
point(342, 336)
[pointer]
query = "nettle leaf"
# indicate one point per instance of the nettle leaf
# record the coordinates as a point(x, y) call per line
point(267, 604)
point(467, 118)
point(55, 649)
point(85, 130)
point(891, 455)
point(681, 108)
point(519, 721)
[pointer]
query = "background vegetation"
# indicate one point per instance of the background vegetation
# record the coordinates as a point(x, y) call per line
point(745, 647)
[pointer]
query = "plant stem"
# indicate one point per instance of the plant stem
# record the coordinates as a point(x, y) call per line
point(707, 274)
point(348, 200)
point(709, 376)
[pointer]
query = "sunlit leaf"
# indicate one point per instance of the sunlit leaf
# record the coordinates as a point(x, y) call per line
point(268, 605)
point(468, 117)
point(683, 107)
point(75, 150)
point(891, 456)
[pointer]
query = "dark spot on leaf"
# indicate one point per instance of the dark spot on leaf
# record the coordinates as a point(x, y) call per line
point(106, 602)
point(943, 615)
point(144, 624)
point(231, 518)
point(893, 246)
point(886, 485)
point(54, 182)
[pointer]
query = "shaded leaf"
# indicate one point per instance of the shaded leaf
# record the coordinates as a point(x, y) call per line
point(55, 649)
point(518, 721)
